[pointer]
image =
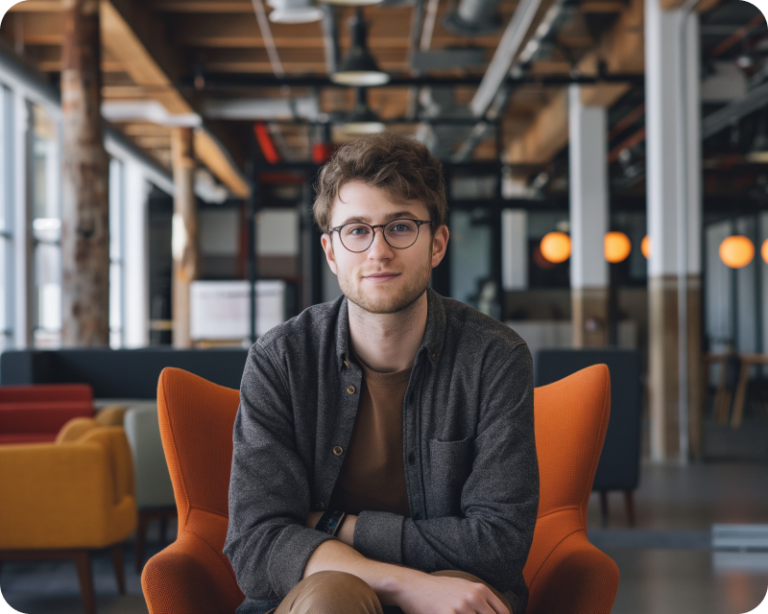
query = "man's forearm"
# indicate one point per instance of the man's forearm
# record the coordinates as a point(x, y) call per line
point(387, 581)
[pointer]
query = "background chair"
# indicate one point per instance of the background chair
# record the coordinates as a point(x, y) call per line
point(565, 573)
point(619, 466)
point(154, 491)
point(31, 414)
point(65, 499)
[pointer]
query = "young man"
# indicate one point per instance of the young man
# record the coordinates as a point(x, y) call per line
point(384, 451)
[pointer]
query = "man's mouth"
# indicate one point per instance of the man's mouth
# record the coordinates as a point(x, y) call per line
point(380, 276)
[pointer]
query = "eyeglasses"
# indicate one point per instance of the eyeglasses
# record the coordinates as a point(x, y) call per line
point(399, 234)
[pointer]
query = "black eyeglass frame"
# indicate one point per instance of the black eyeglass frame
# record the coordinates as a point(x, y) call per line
point(373, 228)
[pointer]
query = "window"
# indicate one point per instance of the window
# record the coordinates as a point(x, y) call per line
point(6, 207)
point(116, 195)
point(45, 187)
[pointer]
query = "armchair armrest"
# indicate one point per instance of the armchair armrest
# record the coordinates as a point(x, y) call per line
point(189, 577)
point(60, 496)
point(586, 580)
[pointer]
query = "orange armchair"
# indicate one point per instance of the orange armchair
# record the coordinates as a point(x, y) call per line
point(65, 499)
point(564, 572)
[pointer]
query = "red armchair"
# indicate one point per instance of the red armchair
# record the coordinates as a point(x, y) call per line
point(35, 414)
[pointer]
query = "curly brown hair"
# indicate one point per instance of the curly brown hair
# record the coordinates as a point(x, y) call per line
point(402, 167)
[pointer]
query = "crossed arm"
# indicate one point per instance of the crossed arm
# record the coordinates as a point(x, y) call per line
point(413, 591)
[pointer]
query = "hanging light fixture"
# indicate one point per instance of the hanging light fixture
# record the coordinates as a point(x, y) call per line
point(645, 246)
point(359, 68)
point(362, 120)
point(736, 251)
point(294, 11)
point(764, 250)
point(556, 247)
point(616, 246)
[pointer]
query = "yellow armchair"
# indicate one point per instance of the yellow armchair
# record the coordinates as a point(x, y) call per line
point(65, 499)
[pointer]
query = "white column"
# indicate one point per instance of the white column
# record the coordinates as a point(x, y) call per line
point(672, 93)
point(588, 187)
point(514, 249)
point(136, 257)
point(23, 273)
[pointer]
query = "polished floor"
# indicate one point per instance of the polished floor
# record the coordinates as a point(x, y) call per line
point(666, 563)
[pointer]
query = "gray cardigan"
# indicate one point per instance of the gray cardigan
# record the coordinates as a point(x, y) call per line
point(468, 443)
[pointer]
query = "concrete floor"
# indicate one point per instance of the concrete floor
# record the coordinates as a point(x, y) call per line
point(665, 562)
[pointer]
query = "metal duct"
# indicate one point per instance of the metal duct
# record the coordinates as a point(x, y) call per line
point(474, 18)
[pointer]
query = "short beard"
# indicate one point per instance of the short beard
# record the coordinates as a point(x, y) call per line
point(392, 304)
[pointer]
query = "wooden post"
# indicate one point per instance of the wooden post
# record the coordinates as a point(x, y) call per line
point(85, 177)
point(185, 254)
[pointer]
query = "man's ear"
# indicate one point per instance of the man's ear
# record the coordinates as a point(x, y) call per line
point(330, 256)
point(439, 244)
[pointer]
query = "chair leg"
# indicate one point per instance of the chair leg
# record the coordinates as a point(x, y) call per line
point(117, 563)
point(604, 508)
point(141, 540)
point(85, 576)
point(629, 503)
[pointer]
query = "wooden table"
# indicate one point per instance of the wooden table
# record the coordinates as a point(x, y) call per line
point(722, 404)
point(747, 361)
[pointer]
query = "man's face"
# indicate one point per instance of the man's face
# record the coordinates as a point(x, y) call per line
point(381, 279)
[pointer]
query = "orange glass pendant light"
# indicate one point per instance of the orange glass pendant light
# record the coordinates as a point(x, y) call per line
point(616, 246)
point(737, 251)
point(645, 246)
point(556, 247)
point(764, 250)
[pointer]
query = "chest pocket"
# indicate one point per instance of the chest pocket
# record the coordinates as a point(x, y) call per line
point(450, 466)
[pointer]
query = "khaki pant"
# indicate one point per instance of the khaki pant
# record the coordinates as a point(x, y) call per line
point(337, 592)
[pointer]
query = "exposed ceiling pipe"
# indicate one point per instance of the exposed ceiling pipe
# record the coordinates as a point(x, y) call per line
point(498, 101)
point(474, 18)
point(509, 46)
point(755, 99)
point(417, 17)
point(266, 35)
point(330, 39)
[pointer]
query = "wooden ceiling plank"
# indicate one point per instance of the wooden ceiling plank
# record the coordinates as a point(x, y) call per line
point(136, 38)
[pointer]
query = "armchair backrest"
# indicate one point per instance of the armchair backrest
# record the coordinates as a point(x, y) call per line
point(570, 417)
point(196, 420)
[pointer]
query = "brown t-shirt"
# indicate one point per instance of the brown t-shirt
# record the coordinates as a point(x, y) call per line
point(373, 476)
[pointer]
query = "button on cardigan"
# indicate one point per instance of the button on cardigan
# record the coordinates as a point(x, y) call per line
point(472, 483)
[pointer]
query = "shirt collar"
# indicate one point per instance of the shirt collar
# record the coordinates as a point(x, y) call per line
point(433, 334)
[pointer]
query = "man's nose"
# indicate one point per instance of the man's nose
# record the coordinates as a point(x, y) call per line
point(379, 248)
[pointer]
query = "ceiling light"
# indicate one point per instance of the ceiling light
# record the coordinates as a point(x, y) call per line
point(294, 11)
point(359, 68)
point(362, 120)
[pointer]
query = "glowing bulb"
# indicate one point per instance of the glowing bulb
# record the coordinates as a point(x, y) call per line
point(616, 246)
point(556, 247)
point(737, 251)
point(645, 246)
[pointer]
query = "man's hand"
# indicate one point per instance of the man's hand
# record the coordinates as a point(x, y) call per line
point(428, 594)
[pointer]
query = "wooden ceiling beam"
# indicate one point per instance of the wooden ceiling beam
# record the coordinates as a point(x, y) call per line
point(137, 39)
point(621, 48)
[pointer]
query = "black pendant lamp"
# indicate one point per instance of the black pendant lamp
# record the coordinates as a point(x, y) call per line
point(362, 120)
point(359, 68)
